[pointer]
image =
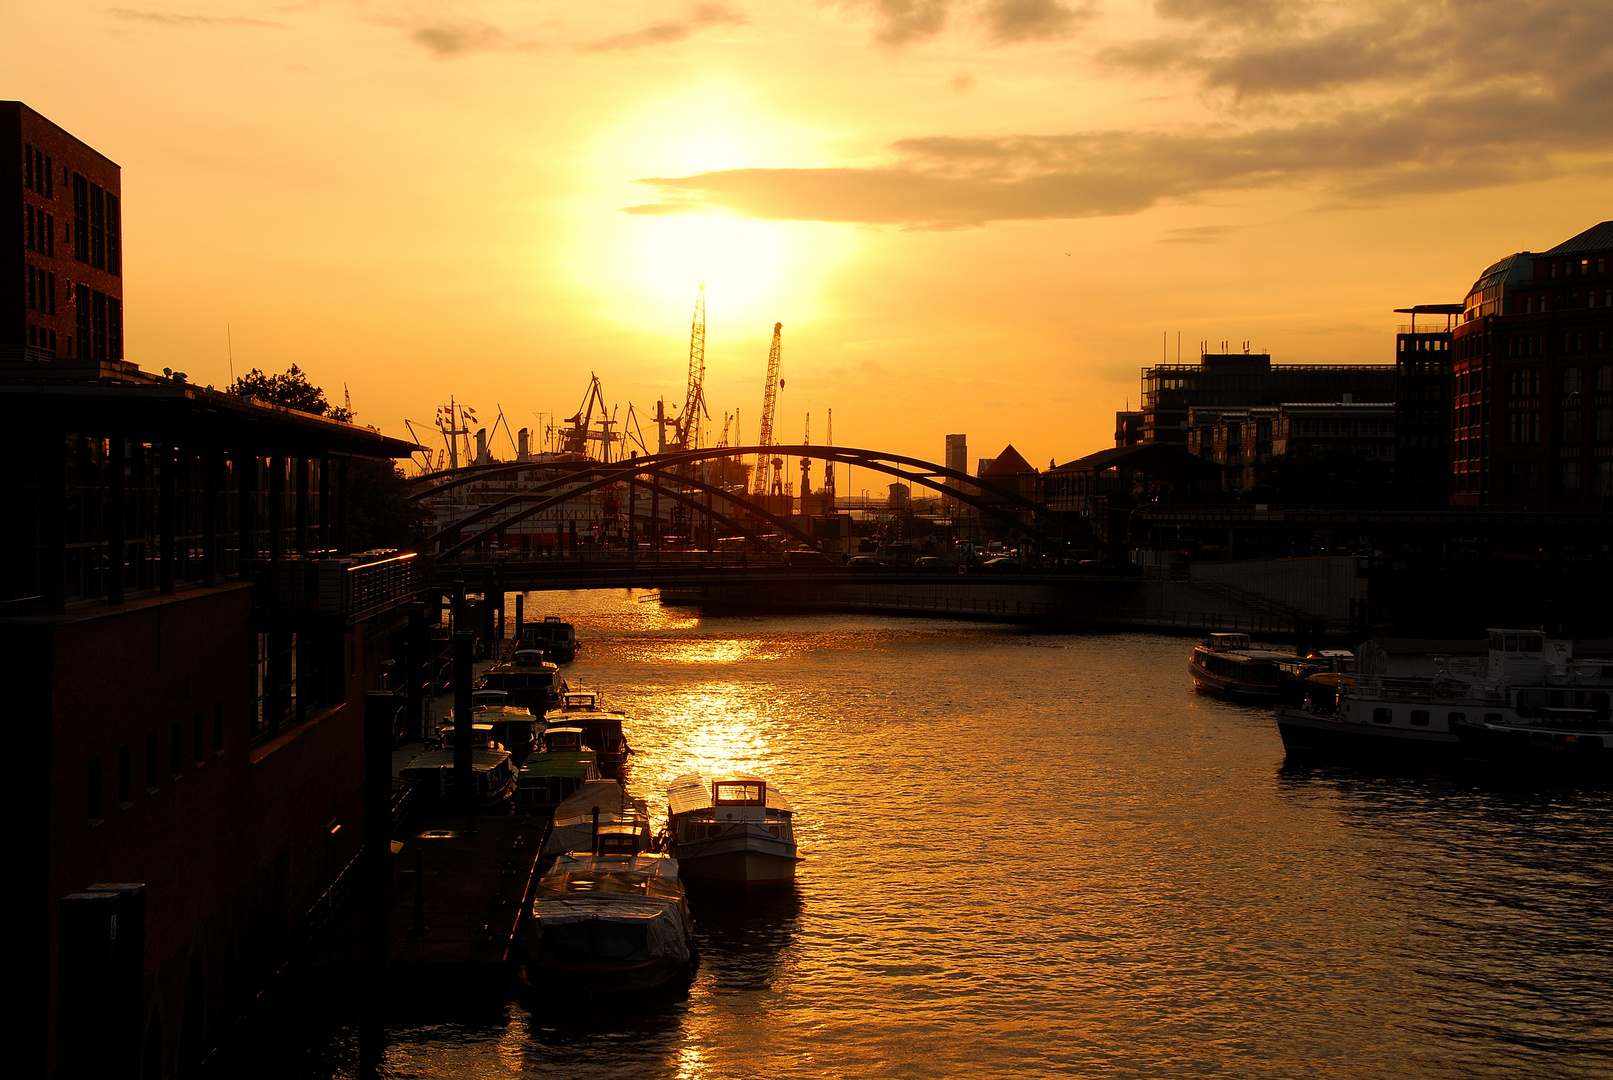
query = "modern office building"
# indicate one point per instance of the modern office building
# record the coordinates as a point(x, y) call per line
point(1532, 380)
point(1422, 401)
point(1240, 381)
point(61, 289)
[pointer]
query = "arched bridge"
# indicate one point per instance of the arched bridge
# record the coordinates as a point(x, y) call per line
point(670, 474)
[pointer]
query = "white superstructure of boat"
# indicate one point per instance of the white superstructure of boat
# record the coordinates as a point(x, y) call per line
point(734, 828)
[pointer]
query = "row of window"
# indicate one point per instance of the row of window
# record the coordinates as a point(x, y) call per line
point(1545, 302)
point(41, 290)
point(100, 324)
point(97, 226)
point(41, 337)
point(1523, 426)
point(1583, 266)
point(1525, 382)
point(1521, 480)
point(36, 171)
point(1343, 427)
point(38, 230)
point(153, 759)
point(1426, 345)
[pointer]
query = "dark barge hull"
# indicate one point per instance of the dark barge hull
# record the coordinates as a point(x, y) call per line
point(1578, 753)
point(1248, 693)
point(1304, 734)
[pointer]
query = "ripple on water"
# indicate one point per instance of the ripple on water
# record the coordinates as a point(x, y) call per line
point(1032, 854)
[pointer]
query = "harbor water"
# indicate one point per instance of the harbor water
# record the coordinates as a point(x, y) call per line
point(1033, 854)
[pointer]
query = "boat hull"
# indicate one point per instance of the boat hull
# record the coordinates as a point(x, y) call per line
point(1234, 689)
point(1308, 734)
point(740, 868)
point(598, 978)
point(1580, 753)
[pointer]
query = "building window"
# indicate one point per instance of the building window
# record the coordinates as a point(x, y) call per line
point(1569, 380)
point(1523, 382)
point(114, 236)
point(1604, 479)
point(1523, 428)
point(125, 771)
point(1570, 426)
point(176, 750)
point(151, 762)
point(94, 791)
point(81, 218)
point(196, 733)
point(1569, 479)
point(1604, 425)
point(1529, 482)
point(1604, 379)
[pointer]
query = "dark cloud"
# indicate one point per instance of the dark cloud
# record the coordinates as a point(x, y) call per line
point(1010, 21)
point(1407, 99)
point(1006, 22)
point(171, 18)
point(664, 33)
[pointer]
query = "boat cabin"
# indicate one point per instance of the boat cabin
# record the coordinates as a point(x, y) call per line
point(513, 727)
point(560, 740)
point(1526, 653)
point(1227, 642)
point(619, 838)
point(431, 775)
point(488, 699)
point(580, 701)
point(481, 735)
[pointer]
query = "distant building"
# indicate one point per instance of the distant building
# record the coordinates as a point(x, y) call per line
point(958, 453)
point(1364, 429)
point(1245, 380)
point(61, 207)
point(1128, 427)
point(1104, 488)
point(1238, 440)
point(1422, 400)
point(1532, 380)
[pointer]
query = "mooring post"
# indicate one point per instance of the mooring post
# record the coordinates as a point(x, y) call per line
point(520, 615)
point(376, 864)
point(464, 785)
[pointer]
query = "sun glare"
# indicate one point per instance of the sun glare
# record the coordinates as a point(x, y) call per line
point(762, 270)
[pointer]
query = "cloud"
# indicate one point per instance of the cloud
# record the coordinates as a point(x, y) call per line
point(1386, 103)
point(664, 33)
point(962, 83)
point(1007, 22)
point(1011, 21)
point(171, 18)
point(451, 39)
point(1196, 234)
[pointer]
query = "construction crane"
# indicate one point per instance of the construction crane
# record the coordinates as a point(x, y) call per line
point(694, 401)
point(829, 465)
point(581, 433)
point(764, 466)
point(806, 462)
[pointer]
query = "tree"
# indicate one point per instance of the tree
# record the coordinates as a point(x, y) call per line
point(290, 389)
point(379, 514)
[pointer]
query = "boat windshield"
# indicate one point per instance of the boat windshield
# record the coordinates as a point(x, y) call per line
point(732, 793)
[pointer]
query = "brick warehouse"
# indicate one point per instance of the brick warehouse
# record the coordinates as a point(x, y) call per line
point(186, 644)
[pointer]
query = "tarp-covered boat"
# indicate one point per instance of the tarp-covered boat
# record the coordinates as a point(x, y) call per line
point(607, 924)
point(576, 825)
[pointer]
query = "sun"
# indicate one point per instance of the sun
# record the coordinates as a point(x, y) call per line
point(649, 265)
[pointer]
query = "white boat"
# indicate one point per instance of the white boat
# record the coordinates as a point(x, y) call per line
point(607, 924)
point(1525, 682)
point(601, 727)
point(734, 828)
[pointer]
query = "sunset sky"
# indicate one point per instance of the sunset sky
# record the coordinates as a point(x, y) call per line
point(977, 217)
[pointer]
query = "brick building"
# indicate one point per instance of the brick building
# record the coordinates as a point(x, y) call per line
point(61, 289)
point(1422, 401)
point(1532, 380)
point(185, 644)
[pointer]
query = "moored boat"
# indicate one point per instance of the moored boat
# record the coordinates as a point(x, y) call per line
point(556, 638)
point(604, 924)
point(555, 770)
point(527, 679)
point(735, 828)
point(1526, 699)
point(602, 728)
point(594, 807)
point(431, 776)
point(1227, 666)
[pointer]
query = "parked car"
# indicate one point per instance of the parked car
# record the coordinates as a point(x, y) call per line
point(930, 562)
point(864, 563)
point(1002, 566)
point(807, 560)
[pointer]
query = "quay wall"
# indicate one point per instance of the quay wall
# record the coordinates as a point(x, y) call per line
point(1151, 602)
point(1319, 587)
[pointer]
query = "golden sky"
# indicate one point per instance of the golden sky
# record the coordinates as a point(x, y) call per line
point(969, 216)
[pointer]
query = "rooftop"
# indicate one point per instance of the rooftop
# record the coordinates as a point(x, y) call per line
point(1595, 238)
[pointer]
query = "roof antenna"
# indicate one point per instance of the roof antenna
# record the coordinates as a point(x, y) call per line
point(229, 342)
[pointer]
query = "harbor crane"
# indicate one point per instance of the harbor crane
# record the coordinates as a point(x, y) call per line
point(765, 476)
point(581, 432)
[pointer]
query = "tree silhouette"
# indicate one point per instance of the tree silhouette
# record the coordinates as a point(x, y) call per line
point(290, 389)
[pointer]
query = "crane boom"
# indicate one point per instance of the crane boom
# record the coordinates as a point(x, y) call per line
point(769, 400)
point(694, 402)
